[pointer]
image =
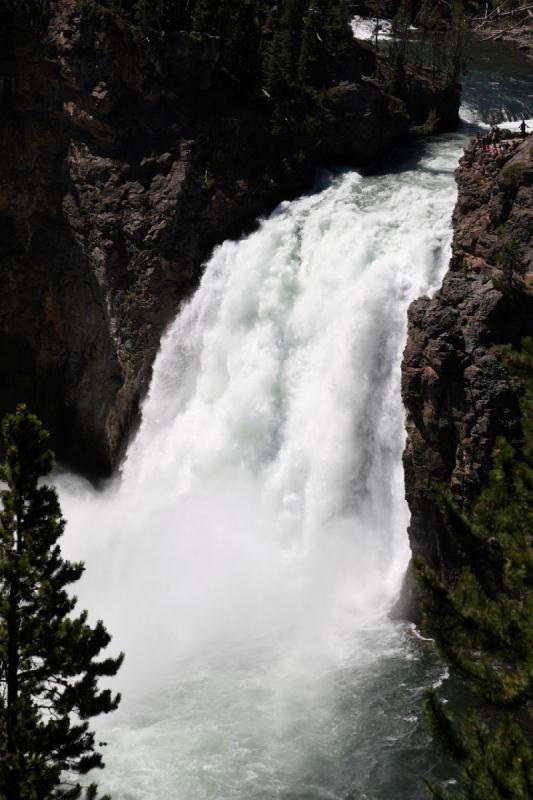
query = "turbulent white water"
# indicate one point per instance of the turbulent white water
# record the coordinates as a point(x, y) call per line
point(248, 556)
point(364, 28)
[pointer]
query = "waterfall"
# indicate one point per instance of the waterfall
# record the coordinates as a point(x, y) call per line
point(256, 537)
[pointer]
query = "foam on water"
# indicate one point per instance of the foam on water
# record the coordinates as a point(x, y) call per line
point(256, 538)
point(247, 556)
point(364, 28)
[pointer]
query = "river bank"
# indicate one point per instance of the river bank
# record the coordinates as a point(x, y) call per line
point(513, 27)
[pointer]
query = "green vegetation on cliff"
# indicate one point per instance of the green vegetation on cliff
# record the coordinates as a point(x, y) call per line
point(439, 44)
point(282, 55)
point(297, 41)
point(483, 623)
point(286, 56)
point(49, 665)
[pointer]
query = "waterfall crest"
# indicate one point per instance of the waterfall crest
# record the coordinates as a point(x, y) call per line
point(257, 532)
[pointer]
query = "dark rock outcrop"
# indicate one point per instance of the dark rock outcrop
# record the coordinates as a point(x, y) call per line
point(457, 395)
point(126, 158)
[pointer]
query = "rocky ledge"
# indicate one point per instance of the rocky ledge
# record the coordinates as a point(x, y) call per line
point(457, 395)
point(126, 158)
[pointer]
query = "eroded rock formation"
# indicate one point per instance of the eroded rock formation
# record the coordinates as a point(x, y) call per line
point(457, 395)
point(126, 158)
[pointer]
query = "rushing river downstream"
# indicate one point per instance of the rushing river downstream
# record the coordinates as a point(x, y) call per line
point(248, 556)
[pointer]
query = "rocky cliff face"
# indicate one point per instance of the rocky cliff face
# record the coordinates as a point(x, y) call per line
point(457, 395)
point(126, 158)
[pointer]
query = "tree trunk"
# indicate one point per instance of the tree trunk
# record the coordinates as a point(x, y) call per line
point(13, 665)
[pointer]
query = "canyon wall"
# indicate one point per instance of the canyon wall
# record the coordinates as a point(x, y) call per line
point(127, 156)
point(457, 395)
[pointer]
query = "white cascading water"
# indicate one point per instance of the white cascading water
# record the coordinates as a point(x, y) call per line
point(248, 556)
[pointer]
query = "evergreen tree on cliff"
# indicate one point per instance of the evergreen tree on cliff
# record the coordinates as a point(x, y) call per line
point(49, 658)
point(236, 24)
point(483, 625)
point(339, 34)
point(312, 62)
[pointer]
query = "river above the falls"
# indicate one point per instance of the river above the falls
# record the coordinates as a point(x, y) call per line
point(248, 556)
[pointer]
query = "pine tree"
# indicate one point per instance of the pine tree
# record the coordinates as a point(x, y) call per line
point(483, 624)
point(240, 38)
point(400, 30)
point(145, 14)
point(311, 64)
point(510, 260)
point(339, 35)
point(379, 10)
point(397, 82)
point(424, 24)
point(288, 39)
point(49, 665)
point(460, 31)
point(437, 40)
point(204, 17)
